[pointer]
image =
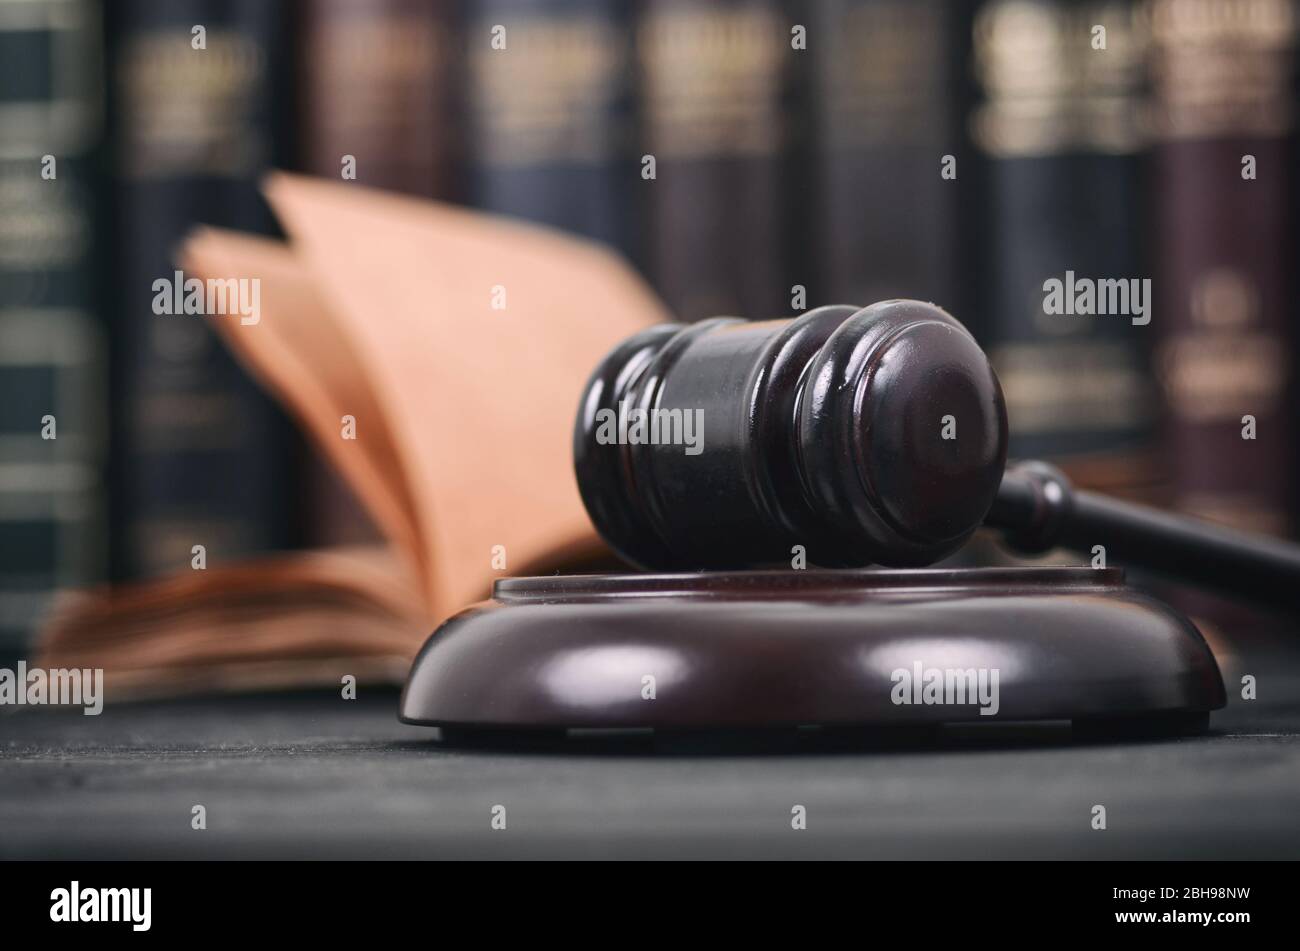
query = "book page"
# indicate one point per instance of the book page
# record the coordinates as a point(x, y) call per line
point(477, 334)
point(299, 350)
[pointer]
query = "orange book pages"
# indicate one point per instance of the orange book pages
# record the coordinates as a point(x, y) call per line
point(382, 310)
point(301, 353)
point(477, 334)
point(242, 624)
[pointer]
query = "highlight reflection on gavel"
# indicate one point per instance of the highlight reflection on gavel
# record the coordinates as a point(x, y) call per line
point(872, 435)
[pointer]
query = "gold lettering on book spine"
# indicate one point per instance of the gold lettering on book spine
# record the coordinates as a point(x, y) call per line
point(371, 75)
point(712, 81)
point(882, 82)
point(1047, 90)
point(1222, 67)
point(190, 112)
point(551, 94)
point(1229, 363)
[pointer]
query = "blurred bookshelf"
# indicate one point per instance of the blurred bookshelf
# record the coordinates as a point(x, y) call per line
point(752, 158)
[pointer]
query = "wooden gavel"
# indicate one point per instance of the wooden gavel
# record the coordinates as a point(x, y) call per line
point(872, 435)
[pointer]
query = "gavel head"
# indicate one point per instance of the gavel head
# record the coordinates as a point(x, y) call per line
point(870, 435)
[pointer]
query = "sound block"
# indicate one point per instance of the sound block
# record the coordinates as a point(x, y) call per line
point(764, 649)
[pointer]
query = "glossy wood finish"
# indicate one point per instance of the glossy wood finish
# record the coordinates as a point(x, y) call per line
point(768, 649)
point(826, 432)
point(855, 437)
point(1039, 510)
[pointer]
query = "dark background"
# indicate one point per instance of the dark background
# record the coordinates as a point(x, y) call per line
point(785, 178)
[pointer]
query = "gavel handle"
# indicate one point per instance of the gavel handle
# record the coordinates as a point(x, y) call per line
point(1038, 509)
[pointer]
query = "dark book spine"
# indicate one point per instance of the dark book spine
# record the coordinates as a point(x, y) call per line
point(375, 92)
point(1224, 98)
point(547, 114)
point(1058, 127)
point(375, 84)
point(713, 90)
point(883, 150)
point(200, 455)
point(52, 352)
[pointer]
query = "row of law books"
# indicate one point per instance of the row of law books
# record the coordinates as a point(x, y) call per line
point(750, 157)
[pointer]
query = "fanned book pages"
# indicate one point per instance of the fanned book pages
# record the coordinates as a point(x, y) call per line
point(435, 356)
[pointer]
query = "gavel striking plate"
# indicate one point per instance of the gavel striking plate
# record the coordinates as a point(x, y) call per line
point(843, 438)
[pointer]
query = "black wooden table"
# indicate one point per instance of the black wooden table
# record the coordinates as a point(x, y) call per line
point(313, 775)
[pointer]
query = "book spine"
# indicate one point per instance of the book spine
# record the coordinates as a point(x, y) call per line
point(881, 99)
point(1223, 169)
point(547, 113)
point(375, 95)
point(713, 90)
point(1057, 125)
point(375, 84)
point(52, 351)
point(199, 454)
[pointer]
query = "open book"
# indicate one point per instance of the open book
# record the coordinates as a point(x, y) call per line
point(435, 356)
